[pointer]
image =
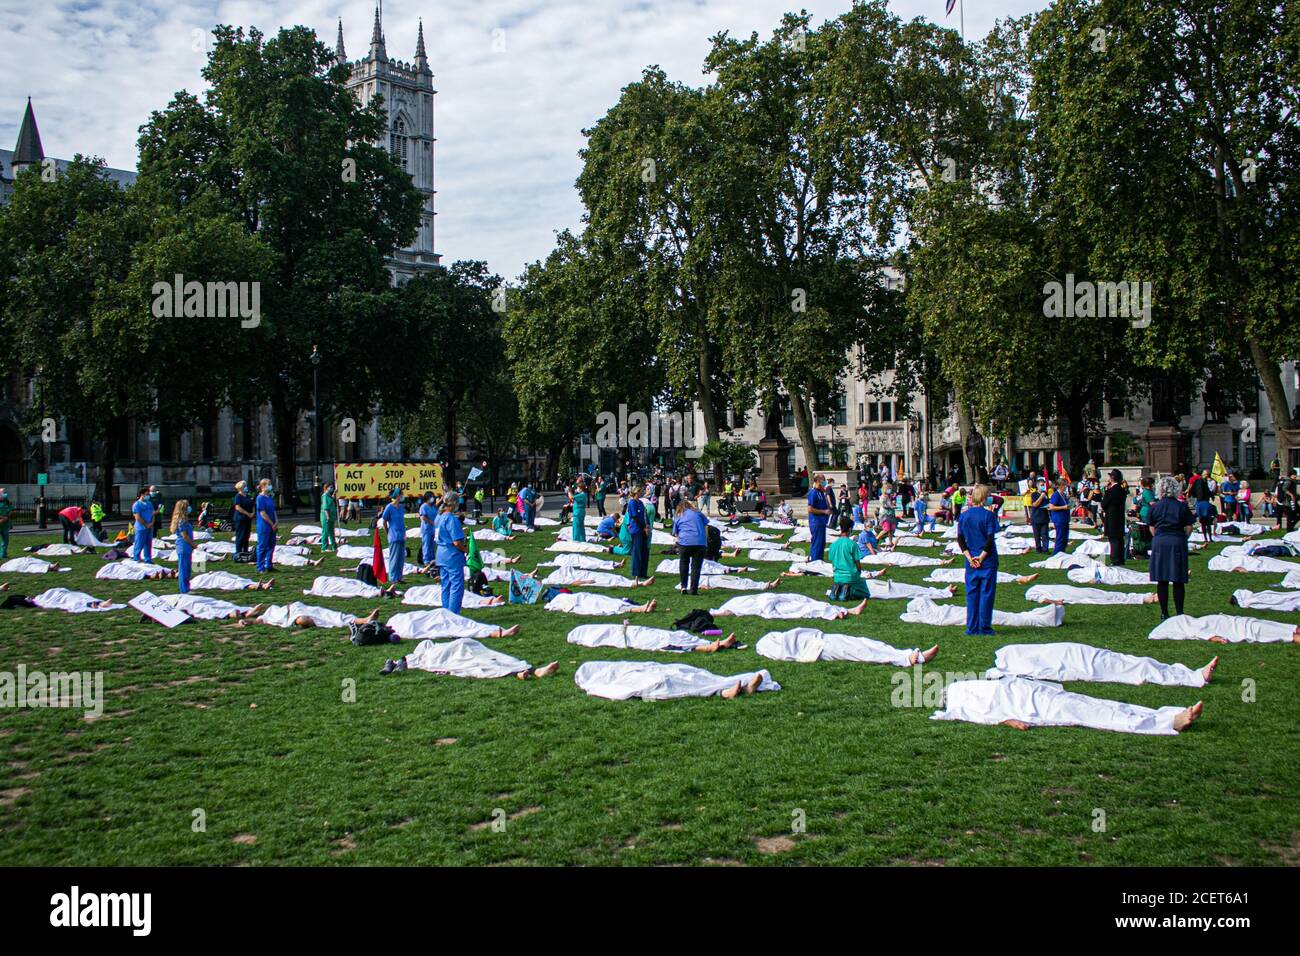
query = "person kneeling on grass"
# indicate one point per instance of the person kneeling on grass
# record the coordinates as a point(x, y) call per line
point(843, 554)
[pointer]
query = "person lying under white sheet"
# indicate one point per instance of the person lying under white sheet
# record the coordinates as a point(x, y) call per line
point(576, 577)
point(1068, 594)
point(298, 614)
point(1244, 563)
point(59, 550)
point(638, 638)
point(805, 644)
point(72, 602)
point(332, 586)
point(1267, 600)
point(31, 566)
point(925, 611)
point(775, 555)
point(212, 609)
point(586, 562)
point(1225, 629)
point(958, 576)
point(1021, 703)
point(902, 560)
point(128, 570)
point(596, 605)
point(731, 582)
point(1108, 574)
point(430, 595)
point(225, 581)
point(1067, 661)
point(823, 569)
point(670, 566)
point(1062, 560)
point(439, 622)
point(497, 557)
point(1292, 579)
point(577, 547)
point(466, 657)
point(650, 680)
point(784, 607)
point(898, 590)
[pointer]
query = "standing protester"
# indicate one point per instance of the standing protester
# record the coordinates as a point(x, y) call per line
point(394, 518)
point(184, 532)
point(452, 552)
point(977, 530)
point(429, 513)
point(267, 523)
point(1058, 509)
point(638, 530)
point(6, 521)
point(241, 518)
point(1146, 497)
point(1039, 520)
point(142, 519)
point(579, 532)
point(1114, 509)
point(1171, 521)
point(97, 519)
point(691, 529)
point(528, 498)
point(819, 511)
point(329, 517)
point(1202, 492)
point(156, 499)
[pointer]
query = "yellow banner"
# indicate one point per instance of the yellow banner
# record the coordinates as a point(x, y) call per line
point(377, 480)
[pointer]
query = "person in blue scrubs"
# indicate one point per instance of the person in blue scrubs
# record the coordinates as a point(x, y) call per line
point(394, 518)
point(428, 522)
point(819, 514)
point(184, 531)
point(606, 528)
point(637, 523)
point(452, 549)
point(976, 531)
point(867, 542)
point(142, 519)
point(267, 522)
point(1058, 509)
point(580, 510)
point(529, 499)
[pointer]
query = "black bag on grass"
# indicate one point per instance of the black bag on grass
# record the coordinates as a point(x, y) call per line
point(366, 575)
point(697, 622)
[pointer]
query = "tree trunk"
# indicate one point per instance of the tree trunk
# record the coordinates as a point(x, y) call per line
point(1271, 375)
point(285, 424)
point(108, 462)
point(804, 423)
point(1078, 456)
point(704, 392)
point(965, 428)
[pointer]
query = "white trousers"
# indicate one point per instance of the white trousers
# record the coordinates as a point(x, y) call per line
point(1067, 661)
point(809, 644)
point(622, 680)
point(1042, 704)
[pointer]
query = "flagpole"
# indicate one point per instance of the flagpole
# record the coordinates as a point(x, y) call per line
point(961, 13)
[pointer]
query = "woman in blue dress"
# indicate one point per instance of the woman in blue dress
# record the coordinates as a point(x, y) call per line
point(580, 510)
point(1171, 523)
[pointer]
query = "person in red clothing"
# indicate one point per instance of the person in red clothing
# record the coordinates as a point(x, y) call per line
point(72, 518)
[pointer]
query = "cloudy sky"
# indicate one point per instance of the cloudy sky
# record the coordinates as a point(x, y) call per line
point(517, 81)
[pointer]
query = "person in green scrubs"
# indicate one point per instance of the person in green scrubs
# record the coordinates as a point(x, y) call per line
point(6, 521)
point(329, 517)
point(624, 546)
point(580, 510)
point(843, 555)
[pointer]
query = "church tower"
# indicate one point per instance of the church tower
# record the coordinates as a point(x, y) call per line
point(407, 92)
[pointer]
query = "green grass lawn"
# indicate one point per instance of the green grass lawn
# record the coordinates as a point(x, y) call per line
point(251, 727)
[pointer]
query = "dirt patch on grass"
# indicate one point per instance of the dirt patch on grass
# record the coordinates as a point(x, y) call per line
point(244, 839)
point(445, 741)
point(915, 861)
point(769, 845)
point(10, 796)
point(1288, 853)
point(344, 844)
point(721, 861)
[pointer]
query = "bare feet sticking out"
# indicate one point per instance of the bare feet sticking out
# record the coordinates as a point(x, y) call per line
point(1189, 716)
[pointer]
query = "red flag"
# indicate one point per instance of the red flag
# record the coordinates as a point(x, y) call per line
point(1060, 467)
point(377, 562)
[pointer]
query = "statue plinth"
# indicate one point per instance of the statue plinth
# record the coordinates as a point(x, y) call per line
point(774, 467)
point(1162, 448)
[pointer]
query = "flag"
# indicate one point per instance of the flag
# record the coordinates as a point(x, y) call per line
point(948, 8)
point(1219, 471)
point(377, 562)
point(1060, 467)
point(474, 473)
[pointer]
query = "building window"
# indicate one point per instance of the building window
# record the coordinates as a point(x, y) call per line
point(397, 142)
point(789, 459)
point(873, 412)
point(861, 413)
point(787, 413)
point(886, 411)
point(842, 410)
point(823, 454)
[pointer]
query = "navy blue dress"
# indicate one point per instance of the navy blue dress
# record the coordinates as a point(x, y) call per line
point(1169, 519)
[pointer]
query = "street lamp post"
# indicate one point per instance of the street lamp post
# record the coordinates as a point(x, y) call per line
point(315, 426)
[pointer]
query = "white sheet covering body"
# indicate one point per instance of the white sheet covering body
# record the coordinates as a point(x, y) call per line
point(437, 622)
point(650, 680)
point(73, 602)
point(284, 615)
point(807, 644)
point(636, 637)
point(1104, 574)
point(1067, 661)
point(1267, 600)
point(220, 581)
point(204, 608)
point(1075, 595)
point(1042, 704)
point(925, 611)
point(127, 569)
point(464, 657)
point(589, 605)
point(332, 586)
point(1235, 630)
point(785, 607)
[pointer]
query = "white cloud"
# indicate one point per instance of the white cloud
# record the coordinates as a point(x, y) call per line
point(508, 122)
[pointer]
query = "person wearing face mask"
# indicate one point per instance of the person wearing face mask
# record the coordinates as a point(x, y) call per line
point(241, 518)
point(182, 528)
point(142, 516)
point(1038, 517)
point(452, 552)
point(6, 522)
point(819, 513)
point(264, 508)
point(395, 523)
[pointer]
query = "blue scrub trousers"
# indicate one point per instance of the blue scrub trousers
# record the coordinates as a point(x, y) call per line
point(817, 527)
point(265, 548)
point(640, 556)
point(981, 584)
point(396, 560)
point(428, 546)
point(528, 516)
point(453, 585)
point(1062, 529)
point(183, 564)
point(143, 550)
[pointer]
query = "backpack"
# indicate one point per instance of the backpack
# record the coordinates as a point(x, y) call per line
point(372, 632)
point(712, 543)
point(366, 575)
point(697, 622)
point(552, 592)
